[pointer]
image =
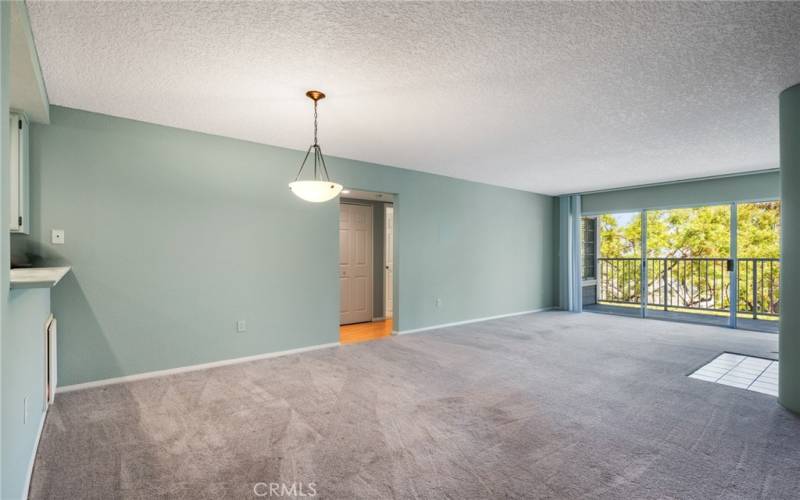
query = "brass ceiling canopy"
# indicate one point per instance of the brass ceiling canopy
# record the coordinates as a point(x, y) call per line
point(315, 95)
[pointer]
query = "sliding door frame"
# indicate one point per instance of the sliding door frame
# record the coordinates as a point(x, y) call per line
point(734, 260)
point(733, 292)
point(643, 282)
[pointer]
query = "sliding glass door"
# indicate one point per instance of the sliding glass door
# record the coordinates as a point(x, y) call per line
point(689, 267)
point(712, 264)
point(758, 265)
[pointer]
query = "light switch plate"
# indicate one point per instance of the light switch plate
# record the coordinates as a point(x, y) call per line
point(57, 237)
point(241, 326)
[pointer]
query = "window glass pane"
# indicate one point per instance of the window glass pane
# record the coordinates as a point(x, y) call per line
point(688, 267)
point(620, 235)
point(588, 245)
point(689, 232)
point(758, 250)
point(619, 267)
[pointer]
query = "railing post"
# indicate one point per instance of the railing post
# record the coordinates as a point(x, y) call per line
point(771, 304)
point(665, 284)
point(755, 288)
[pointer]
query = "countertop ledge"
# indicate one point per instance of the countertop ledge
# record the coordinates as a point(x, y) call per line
point(37, 277)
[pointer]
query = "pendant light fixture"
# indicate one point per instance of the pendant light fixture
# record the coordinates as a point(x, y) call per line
point(320, 188)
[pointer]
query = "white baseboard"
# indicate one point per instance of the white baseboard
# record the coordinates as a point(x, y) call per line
point(214, 364)
point(466, 322)
point(190, 368)
point(33, 456)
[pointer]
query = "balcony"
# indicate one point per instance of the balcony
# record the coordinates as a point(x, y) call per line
point(692, 289)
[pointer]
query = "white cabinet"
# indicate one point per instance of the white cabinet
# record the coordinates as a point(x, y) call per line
point(19, 178)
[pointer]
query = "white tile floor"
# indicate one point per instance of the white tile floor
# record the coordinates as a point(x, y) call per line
point(745, 372)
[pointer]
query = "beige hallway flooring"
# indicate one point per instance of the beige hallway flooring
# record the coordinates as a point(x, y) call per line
point(549, 405)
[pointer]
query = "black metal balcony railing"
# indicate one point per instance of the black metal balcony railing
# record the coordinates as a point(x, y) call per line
point(759, 287)
point(692, 283)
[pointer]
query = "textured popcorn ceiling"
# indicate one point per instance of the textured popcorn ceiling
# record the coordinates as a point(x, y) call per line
point(547, 97)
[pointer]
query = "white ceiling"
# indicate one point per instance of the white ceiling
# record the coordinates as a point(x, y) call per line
point(546, 97)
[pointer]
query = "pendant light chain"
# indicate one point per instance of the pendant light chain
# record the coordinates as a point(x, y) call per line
point(320, 169)
point(315, 124)
point(315, 145)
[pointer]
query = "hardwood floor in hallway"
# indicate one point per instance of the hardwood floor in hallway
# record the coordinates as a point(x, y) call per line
point(362, 332)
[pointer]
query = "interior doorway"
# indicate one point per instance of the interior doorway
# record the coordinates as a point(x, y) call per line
point(366, 265)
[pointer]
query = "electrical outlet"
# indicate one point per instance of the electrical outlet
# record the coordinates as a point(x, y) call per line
point(241, 326)
point(438, 302)
point(25, 410)
point(57, 237)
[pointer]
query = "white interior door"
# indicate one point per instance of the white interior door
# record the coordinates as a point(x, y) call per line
point(388, 239)
point(355, 263)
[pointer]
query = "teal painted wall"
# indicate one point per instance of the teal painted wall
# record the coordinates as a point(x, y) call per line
point(174, 235)
point(751, 187)
point(789, 342)
point(23, 366)
point(5, 13)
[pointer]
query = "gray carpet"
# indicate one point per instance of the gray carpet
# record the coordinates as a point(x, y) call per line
point(551, 405)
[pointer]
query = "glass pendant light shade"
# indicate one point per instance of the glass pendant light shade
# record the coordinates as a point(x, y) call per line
point(315, 191)
point(320, 188)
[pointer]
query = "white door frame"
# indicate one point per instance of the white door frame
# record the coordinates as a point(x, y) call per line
point(370, 264)
point(388, 268)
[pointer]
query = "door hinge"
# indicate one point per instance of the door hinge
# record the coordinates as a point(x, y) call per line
point(19, 124)
point(19, 221)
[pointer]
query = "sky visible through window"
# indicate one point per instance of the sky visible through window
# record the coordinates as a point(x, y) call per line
point(626, 218)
